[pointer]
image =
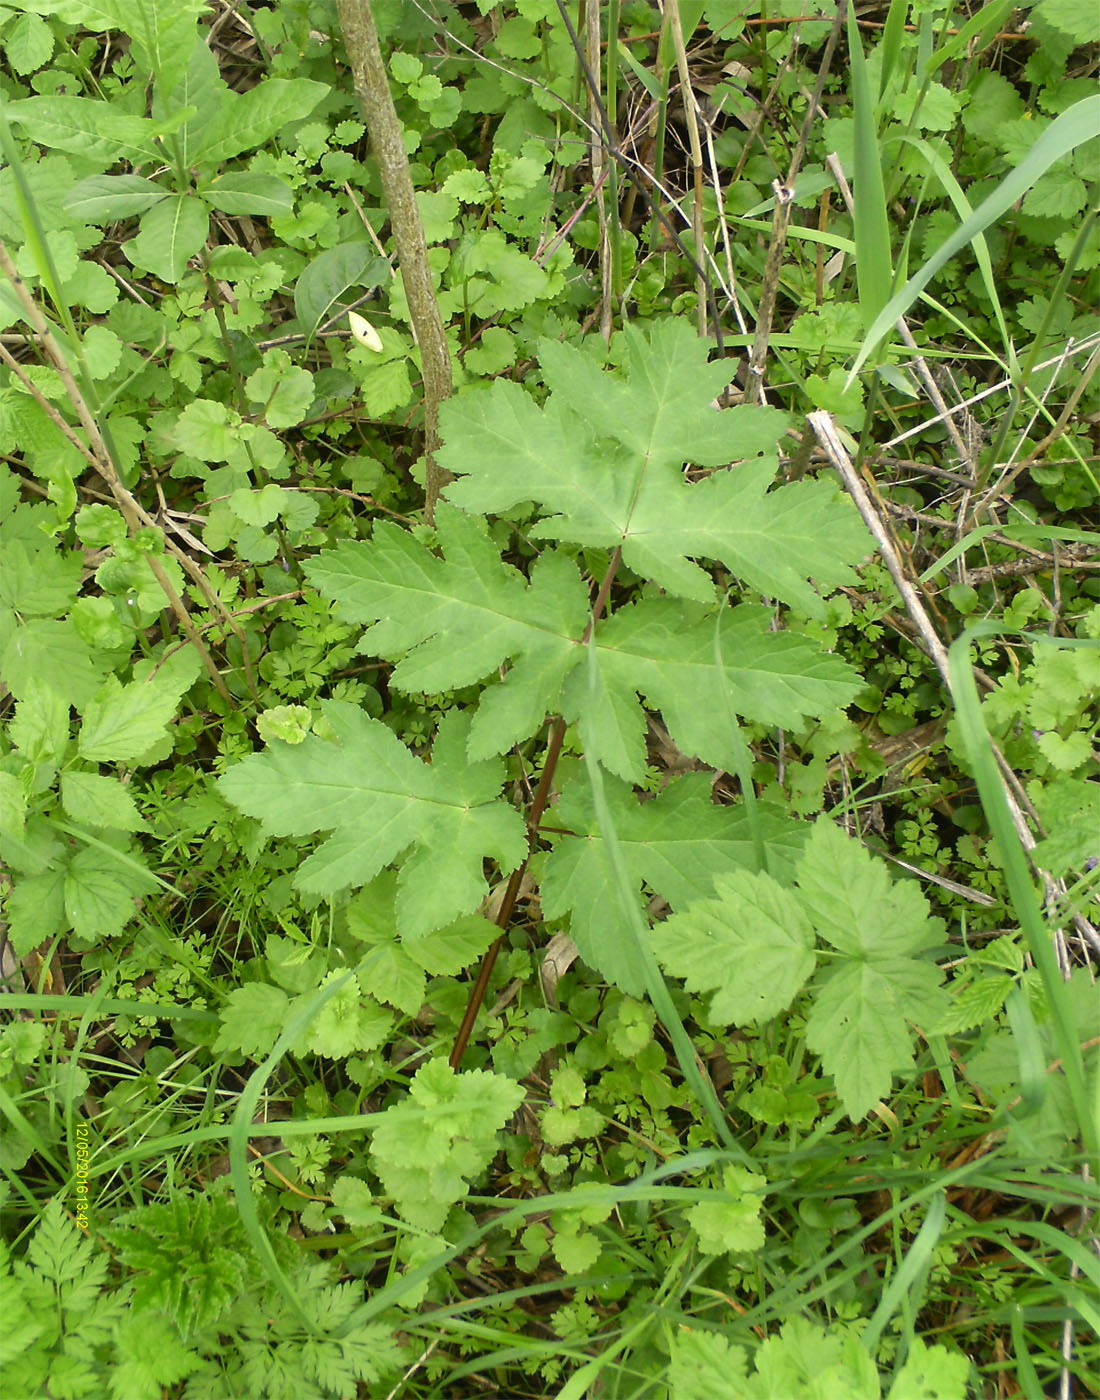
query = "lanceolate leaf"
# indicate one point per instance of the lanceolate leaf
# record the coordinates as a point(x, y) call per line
point(171, 233)
point(321, 286)
point(246, 120)
point(108, 197)
point(246, 192)
point(604, 460)
point(379, 800)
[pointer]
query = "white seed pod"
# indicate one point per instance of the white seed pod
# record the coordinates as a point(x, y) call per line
point(364, 332)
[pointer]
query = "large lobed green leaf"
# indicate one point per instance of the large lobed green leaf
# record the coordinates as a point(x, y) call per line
point(455, 620)
point(678, 845)
point(604, 458)
point(379, 801)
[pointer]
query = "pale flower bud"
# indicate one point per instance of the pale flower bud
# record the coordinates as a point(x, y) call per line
point(364, 332)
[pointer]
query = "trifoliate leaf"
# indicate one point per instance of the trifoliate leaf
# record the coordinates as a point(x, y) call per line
point(863, 1005)
point(754, 925)
point(379, 801)
point(100, 888)
point(604, 460)
point(853, 903)
point(122, 722)
point(99, 801)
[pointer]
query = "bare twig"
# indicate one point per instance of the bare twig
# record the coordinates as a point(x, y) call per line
point(825, 429)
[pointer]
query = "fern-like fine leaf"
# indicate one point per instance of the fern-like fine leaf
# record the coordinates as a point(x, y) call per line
point(378, 800)
point(604, 458)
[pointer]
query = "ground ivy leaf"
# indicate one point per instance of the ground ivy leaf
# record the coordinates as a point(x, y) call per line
point(754, 925)
point(379, 801)
point(730, 1223)
point(604, 457)
point(678, 844)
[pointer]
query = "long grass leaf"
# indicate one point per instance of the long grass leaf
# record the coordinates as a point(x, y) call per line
point(1076, 126)
point(1021, 891)
point(647, 963)
point(914, 1267)
point(874, 270)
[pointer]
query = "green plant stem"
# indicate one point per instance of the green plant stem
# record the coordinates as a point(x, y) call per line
point(538, 807)
point(388, 147)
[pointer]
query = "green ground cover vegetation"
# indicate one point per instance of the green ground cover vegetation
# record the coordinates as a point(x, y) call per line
point(585, 886)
